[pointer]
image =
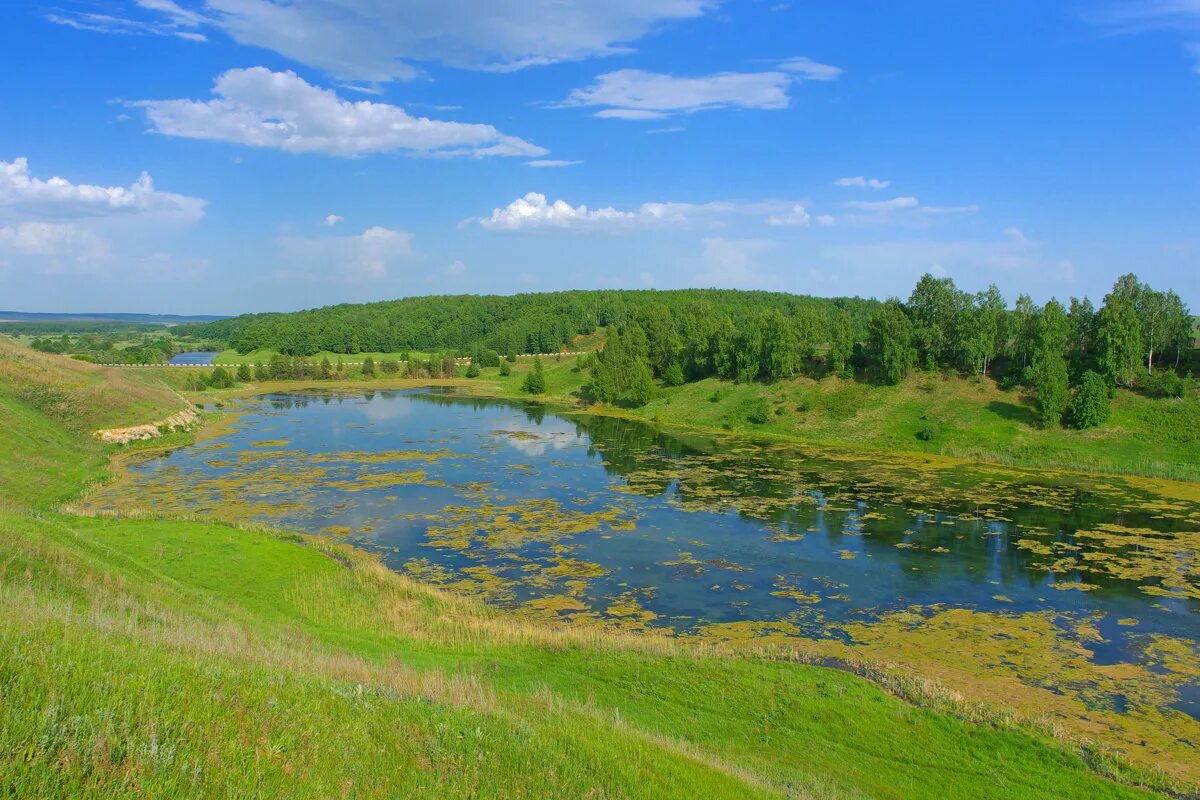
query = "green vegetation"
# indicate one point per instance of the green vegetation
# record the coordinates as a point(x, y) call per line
point(973, 418)
point(182, 658)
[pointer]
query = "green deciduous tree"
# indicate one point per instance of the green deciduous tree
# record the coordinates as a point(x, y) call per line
point(1092, 402)
point(890, 342)
point(535, 379)
point(1050, 376)
point(243, 373)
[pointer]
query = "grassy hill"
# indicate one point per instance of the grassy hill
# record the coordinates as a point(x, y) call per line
point(181, 658)
point(971, 418)
point(50, 405)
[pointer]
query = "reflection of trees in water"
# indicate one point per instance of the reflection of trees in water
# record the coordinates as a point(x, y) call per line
point(863, 506)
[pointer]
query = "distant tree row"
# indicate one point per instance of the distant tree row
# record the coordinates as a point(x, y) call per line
point(523, 323)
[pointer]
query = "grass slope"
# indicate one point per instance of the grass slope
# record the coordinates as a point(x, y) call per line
point(181, 658)
point(974, 419)
point(49, 406)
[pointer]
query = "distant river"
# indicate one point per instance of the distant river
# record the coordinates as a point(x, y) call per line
point(196, 358)
point(608, 520)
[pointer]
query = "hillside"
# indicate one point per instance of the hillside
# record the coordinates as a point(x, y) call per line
point(190, 659)
point(49, 408)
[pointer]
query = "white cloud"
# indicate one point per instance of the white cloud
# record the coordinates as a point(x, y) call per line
point(534, 212)
point(550, 162)
point(454, 269)
point(810, 70)
point(946, 210)
point(261, 108)
point(333, 219)
point(383, 40)
point(52, 239)
point(59, 198)
point(877, 206)
point(369, 255)
point(797, 217)
point(825, 220)
point(635, 94)
point(179, 23)
point(862, 182)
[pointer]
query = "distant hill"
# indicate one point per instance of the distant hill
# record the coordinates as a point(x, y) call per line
point(136, 319)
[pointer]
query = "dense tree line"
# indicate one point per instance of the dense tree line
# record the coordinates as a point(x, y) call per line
point(523, 323)
point(1063, 354)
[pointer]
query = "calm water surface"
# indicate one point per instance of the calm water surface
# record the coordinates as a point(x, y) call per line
point(202, 358)
point(593, 516)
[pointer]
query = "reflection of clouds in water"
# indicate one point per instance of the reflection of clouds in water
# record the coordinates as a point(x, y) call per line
point(532, 439)
point(385, 406)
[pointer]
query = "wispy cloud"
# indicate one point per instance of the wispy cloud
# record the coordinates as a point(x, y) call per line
point(370, 40)
point(635, 94)
point(862, 182)
point(543, 163)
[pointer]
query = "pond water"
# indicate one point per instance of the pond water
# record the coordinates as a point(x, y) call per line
point(611, 521)
point(197, 358)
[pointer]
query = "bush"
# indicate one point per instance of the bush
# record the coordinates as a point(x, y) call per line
point(535, 381)
point(473, 370)
point(673, 375)
point(1092, 402)
point(505, 369)
point(243, 373)
point(220, 379)
point(389, 366)
point(1172, 384)
point(758, 412)
point(929, 431)
point(368, 367)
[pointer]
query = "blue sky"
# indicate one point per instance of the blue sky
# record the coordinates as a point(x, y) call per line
point(316, 151)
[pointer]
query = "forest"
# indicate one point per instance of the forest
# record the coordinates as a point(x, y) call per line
point(1070, 356)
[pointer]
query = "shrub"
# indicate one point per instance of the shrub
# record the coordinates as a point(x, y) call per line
point(929, 431)
point(368, 367)
point(505, 368)
point(1092, 402)
point(535, 380)
point(220, 379)
point(473, 370)
point(243, 373)
point(758, 412)
point(389, 366)
point(673, 375)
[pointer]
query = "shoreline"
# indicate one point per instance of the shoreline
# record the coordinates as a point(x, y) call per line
point(1177, 488)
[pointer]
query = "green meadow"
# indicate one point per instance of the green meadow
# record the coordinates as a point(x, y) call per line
point(187, 658)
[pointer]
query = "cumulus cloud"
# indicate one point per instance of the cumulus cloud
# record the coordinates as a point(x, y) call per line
point(862, 182)
point(261, 108)
point(383, 40)
point(57, 197)
point(369, 255)
point(797, 217)
point(332, 219)
point(534, 212)
point(635, 94)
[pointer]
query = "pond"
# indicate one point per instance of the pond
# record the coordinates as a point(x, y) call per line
point(1086, 587)
point(196, 358)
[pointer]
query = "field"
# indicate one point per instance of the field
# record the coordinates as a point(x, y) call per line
point(183, 658)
